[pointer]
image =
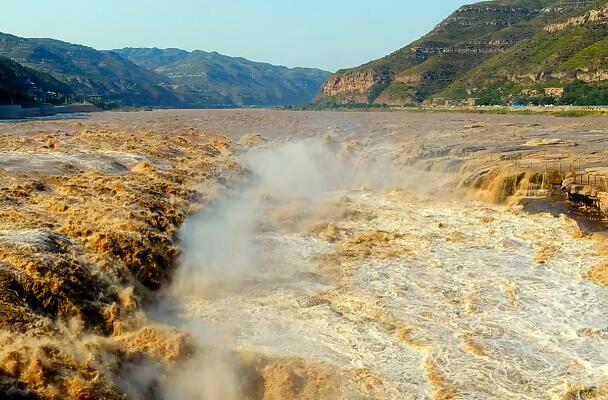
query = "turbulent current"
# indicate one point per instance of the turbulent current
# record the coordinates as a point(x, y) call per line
point(407, 289)
point(276, 255)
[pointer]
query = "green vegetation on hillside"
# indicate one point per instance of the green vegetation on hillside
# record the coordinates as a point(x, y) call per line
point(496, 52)
point(20, 85)
point(153, 77)
point(230, 80)
point(584, 94)
point(89, 74)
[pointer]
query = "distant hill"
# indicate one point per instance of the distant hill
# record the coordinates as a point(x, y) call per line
point(228, 80)
point(564, 62)
point(88, 72)
point(21, 85)
point(491, 52)
point(148, 77)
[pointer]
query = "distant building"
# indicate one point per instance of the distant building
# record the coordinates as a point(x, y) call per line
point(530, 92)
point(554, 91)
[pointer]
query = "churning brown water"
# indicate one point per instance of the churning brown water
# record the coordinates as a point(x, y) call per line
point(335, 256)
point(400, 282)
point(454, 299)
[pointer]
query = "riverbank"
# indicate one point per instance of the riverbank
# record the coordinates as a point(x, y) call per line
point(14, 112)
point(558, 111)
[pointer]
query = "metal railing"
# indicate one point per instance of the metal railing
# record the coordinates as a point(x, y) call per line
point(561, 167)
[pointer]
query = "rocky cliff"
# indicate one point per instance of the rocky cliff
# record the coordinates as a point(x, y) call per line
point(569, 53)
point(438, 66)
point(599, 16)
point(357, 86)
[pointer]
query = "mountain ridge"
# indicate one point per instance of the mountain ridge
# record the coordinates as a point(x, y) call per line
point(88, 72)
point(107, 77)
point(21, 85)
point(234, 80)
point(431, 69)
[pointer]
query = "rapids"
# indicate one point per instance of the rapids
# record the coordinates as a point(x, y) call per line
point(465, 300)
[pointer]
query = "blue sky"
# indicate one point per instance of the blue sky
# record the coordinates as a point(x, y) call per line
point(329, 34)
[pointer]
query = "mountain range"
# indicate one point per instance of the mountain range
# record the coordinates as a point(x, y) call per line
point(492, 52)
point(52, 70)
point(18, 83)
point(219, 79)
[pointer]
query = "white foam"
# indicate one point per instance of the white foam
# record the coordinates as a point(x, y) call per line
point(469, 276)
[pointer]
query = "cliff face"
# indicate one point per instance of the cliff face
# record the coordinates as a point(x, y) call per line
point(467, 39)
point(593, 76)
point(487, 15)
point(356, 86)
point(567, 6)
point(593, 16)
point(570, 53)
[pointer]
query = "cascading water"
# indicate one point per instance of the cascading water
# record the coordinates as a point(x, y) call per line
point(403, 289)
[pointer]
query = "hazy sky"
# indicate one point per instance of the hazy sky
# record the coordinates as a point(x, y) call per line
point(328, 34)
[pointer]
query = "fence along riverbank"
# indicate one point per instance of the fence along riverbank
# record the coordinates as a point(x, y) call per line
point(582, 179)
